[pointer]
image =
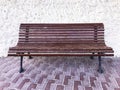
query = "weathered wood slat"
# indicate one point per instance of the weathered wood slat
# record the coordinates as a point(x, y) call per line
point(62, 29)
point(75, 31)
point(61, 25)
point(34, 50)
point(48, 42)
point(58, 54)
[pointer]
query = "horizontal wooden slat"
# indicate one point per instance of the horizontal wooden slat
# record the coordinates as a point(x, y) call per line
point(62, 29)
point(62, 51)
point(82, 32)
point(31, 31)
point(68, 42)
point(55, 41)
point(52, 25)
point(62, 37)
point(58, 34)
point(58, 54)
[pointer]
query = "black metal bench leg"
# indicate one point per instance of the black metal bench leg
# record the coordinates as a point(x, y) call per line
point(100, 70)
point(92, 57)
point(30, 57)
point(21, 61)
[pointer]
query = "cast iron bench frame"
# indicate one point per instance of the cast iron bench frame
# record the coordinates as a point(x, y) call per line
point(90, 35)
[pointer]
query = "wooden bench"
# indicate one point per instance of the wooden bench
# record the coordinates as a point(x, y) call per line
point(86, 39)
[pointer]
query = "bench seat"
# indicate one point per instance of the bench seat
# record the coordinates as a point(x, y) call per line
point(61, 48)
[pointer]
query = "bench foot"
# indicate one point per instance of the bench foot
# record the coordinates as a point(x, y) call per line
point(21, 70)
point(21, 61)
point(100, 70)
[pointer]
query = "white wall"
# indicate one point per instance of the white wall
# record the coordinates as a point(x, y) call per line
point(14, 12)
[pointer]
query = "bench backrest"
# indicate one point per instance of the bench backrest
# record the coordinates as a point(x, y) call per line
point(62, 33)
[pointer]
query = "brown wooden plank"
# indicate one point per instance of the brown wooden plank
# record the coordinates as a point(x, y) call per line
point(52, 25)
point(46, 54)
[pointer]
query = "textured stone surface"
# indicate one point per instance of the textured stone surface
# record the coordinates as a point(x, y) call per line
point(85, 75)
point(14, 12)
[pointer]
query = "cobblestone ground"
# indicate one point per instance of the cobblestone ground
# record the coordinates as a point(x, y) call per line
point(59, 73)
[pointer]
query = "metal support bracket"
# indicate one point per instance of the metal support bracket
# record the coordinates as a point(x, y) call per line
point(92, 57)
point(30, 57)
point(100, 70)
point(21, 67)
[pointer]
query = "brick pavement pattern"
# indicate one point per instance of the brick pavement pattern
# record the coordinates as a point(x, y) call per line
point(59, 73)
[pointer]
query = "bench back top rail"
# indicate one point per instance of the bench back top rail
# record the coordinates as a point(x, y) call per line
point(62, 33)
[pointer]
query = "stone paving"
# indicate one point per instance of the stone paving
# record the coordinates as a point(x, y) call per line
point(59, 73)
